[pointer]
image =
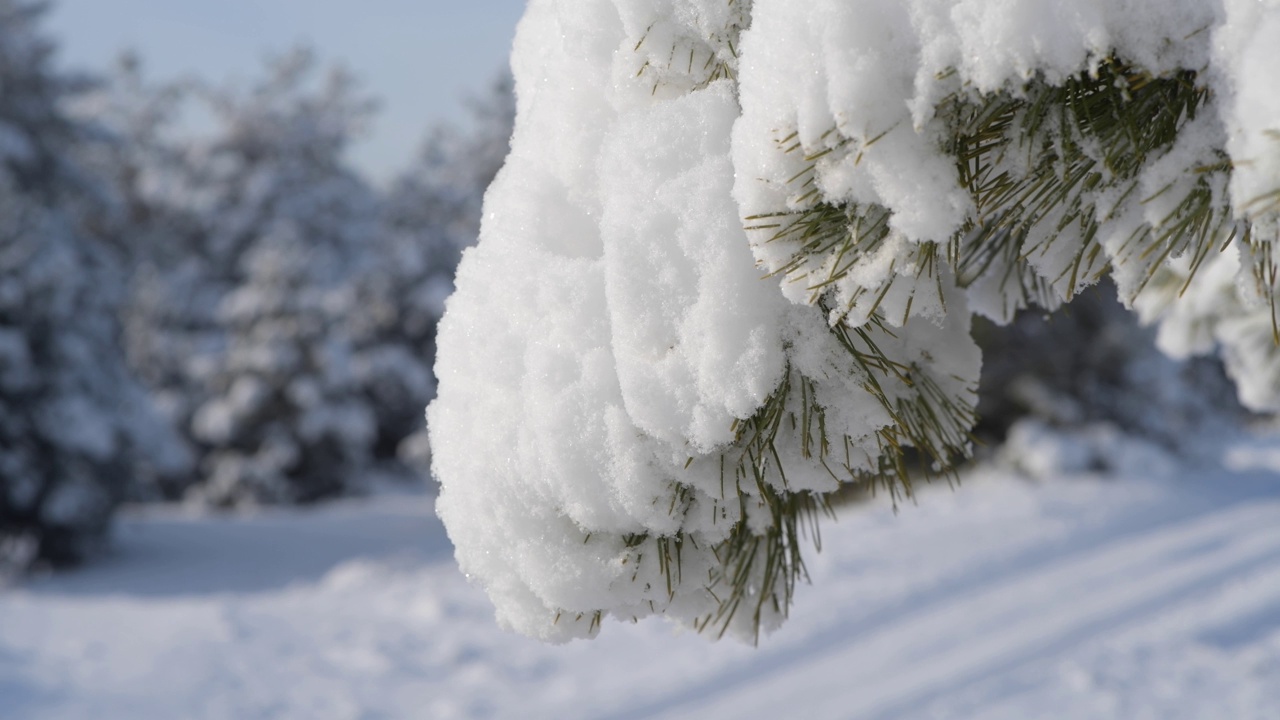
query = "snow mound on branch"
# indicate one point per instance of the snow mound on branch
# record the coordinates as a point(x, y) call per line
point(623, 317)
point(614, 327)
point(695, 334)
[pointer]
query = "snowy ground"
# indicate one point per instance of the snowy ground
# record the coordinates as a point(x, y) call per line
point(1155, 594)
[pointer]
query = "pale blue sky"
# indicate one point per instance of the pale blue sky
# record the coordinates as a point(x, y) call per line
point(420, 57)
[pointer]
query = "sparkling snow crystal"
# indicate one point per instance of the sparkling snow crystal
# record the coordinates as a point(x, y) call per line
point(732, 256)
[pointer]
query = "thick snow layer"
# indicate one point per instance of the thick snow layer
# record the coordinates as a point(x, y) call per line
point(636, 298)
point(609, 328)
point(1071, 596)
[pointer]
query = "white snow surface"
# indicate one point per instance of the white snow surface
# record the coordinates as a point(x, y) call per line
point(627, 302)
point(1126, 596)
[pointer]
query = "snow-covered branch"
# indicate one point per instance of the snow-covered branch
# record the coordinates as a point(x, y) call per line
point(733, 254)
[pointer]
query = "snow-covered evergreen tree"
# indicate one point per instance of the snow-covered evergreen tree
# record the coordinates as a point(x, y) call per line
point(75, 426)
point(198, 207)
point(243, 239)
point(631, 421)
point(168, 311)
point(431, 214)
point(286, 422)
point(285, 226)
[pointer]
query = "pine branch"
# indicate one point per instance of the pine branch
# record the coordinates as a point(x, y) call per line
point(1035, 162)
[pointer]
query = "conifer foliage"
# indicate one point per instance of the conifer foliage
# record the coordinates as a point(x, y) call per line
point(655, 428)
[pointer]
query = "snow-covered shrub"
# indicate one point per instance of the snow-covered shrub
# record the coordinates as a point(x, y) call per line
point(76, 428)
point(630, 421)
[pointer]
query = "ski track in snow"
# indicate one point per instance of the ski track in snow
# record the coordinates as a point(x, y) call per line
point(1003, 600)
point(1011, 620)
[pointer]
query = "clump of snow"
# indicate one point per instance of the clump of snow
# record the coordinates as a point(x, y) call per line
point(695, 334)
point(632, 303)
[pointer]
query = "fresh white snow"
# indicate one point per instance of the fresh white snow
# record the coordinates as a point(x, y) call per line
point(1148, 594)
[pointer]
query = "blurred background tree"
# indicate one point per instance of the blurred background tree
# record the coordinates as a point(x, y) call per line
point(221, 310)
point(76, 427)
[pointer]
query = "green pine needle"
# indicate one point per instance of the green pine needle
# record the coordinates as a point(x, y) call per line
point(1034, 161)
